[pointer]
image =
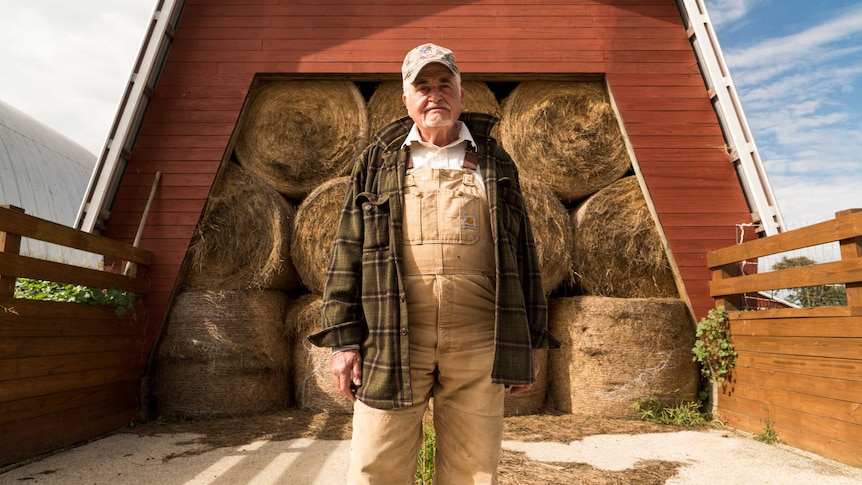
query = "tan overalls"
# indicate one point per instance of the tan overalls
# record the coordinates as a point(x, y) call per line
point(449, 273)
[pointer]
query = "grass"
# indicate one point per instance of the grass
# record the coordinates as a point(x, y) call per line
point(425, 468)
point(684, 415)
point(768, 435)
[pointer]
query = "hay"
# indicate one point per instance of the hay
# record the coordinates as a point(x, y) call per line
point(618, 251)
point(552, 230)
point(242, 240)
point(298, 134)
point(207, 390)
point(385, 105)
point(312, 381)
point(618, 351)
point(234, 329)
point(532, 401)
point(565, 134)
point(314, 232)
point(223, 354)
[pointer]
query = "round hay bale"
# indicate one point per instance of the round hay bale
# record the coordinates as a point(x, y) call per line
point(223, 354)
point(552, 230)
point(205, 390)
point(311, 378)
point(235, 329)
point(298, 134)
point(242, 240)
point(532, 401)
point(564, 133)
point(385, 105)
point(314, 232)
point(618, 251)
point(617, 352)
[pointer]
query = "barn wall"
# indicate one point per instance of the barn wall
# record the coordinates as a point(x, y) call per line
point(639, 46)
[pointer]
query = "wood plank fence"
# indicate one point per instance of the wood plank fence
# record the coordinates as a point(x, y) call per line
point(798, 369)
point(69, 372)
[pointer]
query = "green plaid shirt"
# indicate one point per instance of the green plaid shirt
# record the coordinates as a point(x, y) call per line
point(363, 299)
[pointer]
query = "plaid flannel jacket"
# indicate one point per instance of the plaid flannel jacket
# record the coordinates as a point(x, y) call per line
point(364, 300)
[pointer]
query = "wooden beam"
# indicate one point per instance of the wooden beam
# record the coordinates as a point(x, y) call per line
point(851, 249)
point(9, 243)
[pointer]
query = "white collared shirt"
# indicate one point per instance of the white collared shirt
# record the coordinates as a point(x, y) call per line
point(451, 156)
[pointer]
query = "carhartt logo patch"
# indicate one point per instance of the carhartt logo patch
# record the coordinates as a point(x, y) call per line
point(469, 222)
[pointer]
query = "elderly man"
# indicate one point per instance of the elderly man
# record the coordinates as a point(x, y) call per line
point(433, 288)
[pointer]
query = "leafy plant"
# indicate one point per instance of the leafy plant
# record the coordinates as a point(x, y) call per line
point(713, 349)
point(768, 435)
point(425, 468)
point(31, 289)
point(685, 414)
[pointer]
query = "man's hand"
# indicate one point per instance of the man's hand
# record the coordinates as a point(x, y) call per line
point(526, 387)
point(346, 368)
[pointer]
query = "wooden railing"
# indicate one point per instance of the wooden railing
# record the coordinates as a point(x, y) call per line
point(799, 370)
point(69, 372)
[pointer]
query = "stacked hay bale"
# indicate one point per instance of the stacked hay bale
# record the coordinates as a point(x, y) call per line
point(638, 267)
point(566, 135)
point(534, 400)
point(242, 240)
point(620, 351)
point(224, 351)
point(223, 354)
point(589, 217)
point(312, 381)
point(314, 232)
point(552, 231)
point(299, 134)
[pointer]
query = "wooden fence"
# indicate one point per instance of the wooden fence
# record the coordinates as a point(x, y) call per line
point(69, 372)
point(798, 369)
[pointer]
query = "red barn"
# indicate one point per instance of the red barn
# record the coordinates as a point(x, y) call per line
point(659, 59)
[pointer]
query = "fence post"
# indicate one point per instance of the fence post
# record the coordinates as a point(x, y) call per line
point(9, 243)
point(850, 249)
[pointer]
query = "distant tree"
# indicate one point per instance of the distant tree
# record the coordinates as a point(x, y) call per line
point(810, 296)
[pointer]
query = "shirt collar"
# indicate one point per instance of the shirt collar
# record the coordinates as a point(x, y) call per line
point(463, 135)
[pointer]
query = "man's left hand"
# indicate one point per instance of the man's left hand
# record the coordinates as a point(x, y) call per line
point(526, 387)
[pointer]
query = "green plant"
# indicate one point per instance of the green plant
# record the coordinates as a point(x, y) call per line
point(768, 435)
point(425, 468)
point(713, 349)
point(31, 289)
point(685, 414)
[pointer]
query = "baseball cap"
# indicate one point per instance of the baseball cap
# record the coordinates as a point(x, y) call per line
point(423, 55)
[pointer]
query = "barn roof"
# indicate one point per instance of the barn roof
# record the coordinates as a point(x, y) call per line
point(44, 173)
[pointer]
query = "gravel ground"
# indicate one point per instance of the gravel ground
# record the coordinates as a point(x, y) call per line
point(307, 449)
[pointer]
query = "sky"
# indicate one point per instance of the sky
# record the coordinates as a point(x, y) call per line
point(796, 65)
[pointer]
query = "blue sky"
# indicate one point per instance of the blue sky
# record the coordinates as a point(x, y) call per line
point(796, 64)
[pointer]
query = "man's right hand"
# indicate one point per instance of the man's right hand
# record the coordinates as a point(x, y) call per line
point(346, 369)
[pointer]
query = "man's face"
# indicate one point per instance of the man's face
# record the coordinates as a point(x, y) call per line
point(433, 101)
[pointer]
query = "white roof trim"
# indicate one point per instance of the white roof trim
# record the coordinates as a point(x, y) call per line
point(115, 154)
point(728, 107)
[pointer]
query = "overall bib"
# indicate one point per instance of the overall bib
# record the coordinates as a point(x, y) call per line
point(449, 273)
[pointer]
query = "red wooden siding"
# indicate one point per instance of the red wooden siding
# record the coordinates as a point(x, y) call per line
point(640, 46)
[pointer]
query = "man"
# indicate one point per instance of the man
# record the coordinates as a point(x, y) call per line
point(433, 288)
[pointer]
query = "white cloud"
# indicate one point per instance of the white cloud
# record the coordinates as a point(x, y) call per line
point(804, 202)
point(722, 12)
point(66, 64)
point(807, 44)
